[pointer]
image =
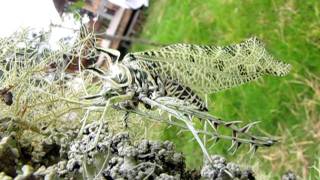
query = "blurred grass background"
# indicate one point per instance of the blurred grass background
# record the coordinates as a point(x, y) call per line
point(288, 108)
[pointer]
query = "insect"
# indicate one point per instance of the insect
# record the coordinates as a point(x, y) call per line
point(175, 79)
point(186, 72)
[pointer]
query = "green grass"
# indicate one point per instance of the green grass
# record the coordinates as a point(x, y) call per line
point(286, 109)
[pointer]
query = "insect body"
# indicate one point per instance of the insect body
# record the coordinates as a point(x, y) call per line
point(128, 78)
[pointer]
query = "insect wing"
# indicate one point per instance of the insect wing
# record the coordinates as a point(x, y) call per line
point(207, 68)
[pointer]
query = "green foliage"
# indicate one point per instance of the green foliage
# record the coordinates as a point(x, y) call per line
point(75, 8)
point(287, 107)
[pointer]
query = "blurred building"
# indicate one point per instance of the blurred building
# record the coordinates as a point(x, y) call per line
point(114, 24)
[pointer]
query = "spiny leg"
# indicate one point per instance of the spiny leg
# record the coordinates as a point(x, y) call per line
point(240, 135)
point(125, 119)
point(126, 105)
point(205, 126)
point(253, 141)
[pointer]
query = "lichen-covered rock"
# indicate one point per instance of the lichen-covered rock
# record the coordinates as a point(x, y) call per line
point(85, 150)
point(9, 155)
point(219, 169)
point(3, 176)
point(289, 176)
point(8, 127)
point(63, 154)
point(114, 157)
point(165, 176)
point(20, 147)
point(26, 173)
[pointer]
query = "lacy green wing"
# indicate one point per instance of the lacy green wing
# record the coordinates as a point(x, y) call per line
point(206, 68)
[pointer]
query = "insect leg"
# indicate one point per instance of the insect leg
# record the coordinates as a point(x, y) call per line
point(112, 53)
point(180, 116)
point(112, 100)
point(95, 142)
point(125, 119)
point(84, 121)
point(91, 97)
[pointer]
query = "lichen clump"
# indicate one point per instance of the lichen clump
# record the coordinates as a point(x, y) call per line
point(114, 156)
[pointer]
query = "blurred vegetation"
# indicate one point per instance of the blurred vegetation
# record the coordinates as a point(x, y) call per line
point(76, 6)
point(288, 108)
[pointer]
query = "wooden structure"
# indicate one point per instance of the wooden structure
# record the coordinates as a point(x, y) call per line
point(114, 24)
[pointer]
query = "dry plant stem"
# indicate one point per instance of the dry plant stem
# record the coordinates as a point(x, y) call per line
point(85, 169)
point(103, 165)
point(316, 167)
point(84, 121)
point(62, 98)
point(58, 115)
point(100, 125)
